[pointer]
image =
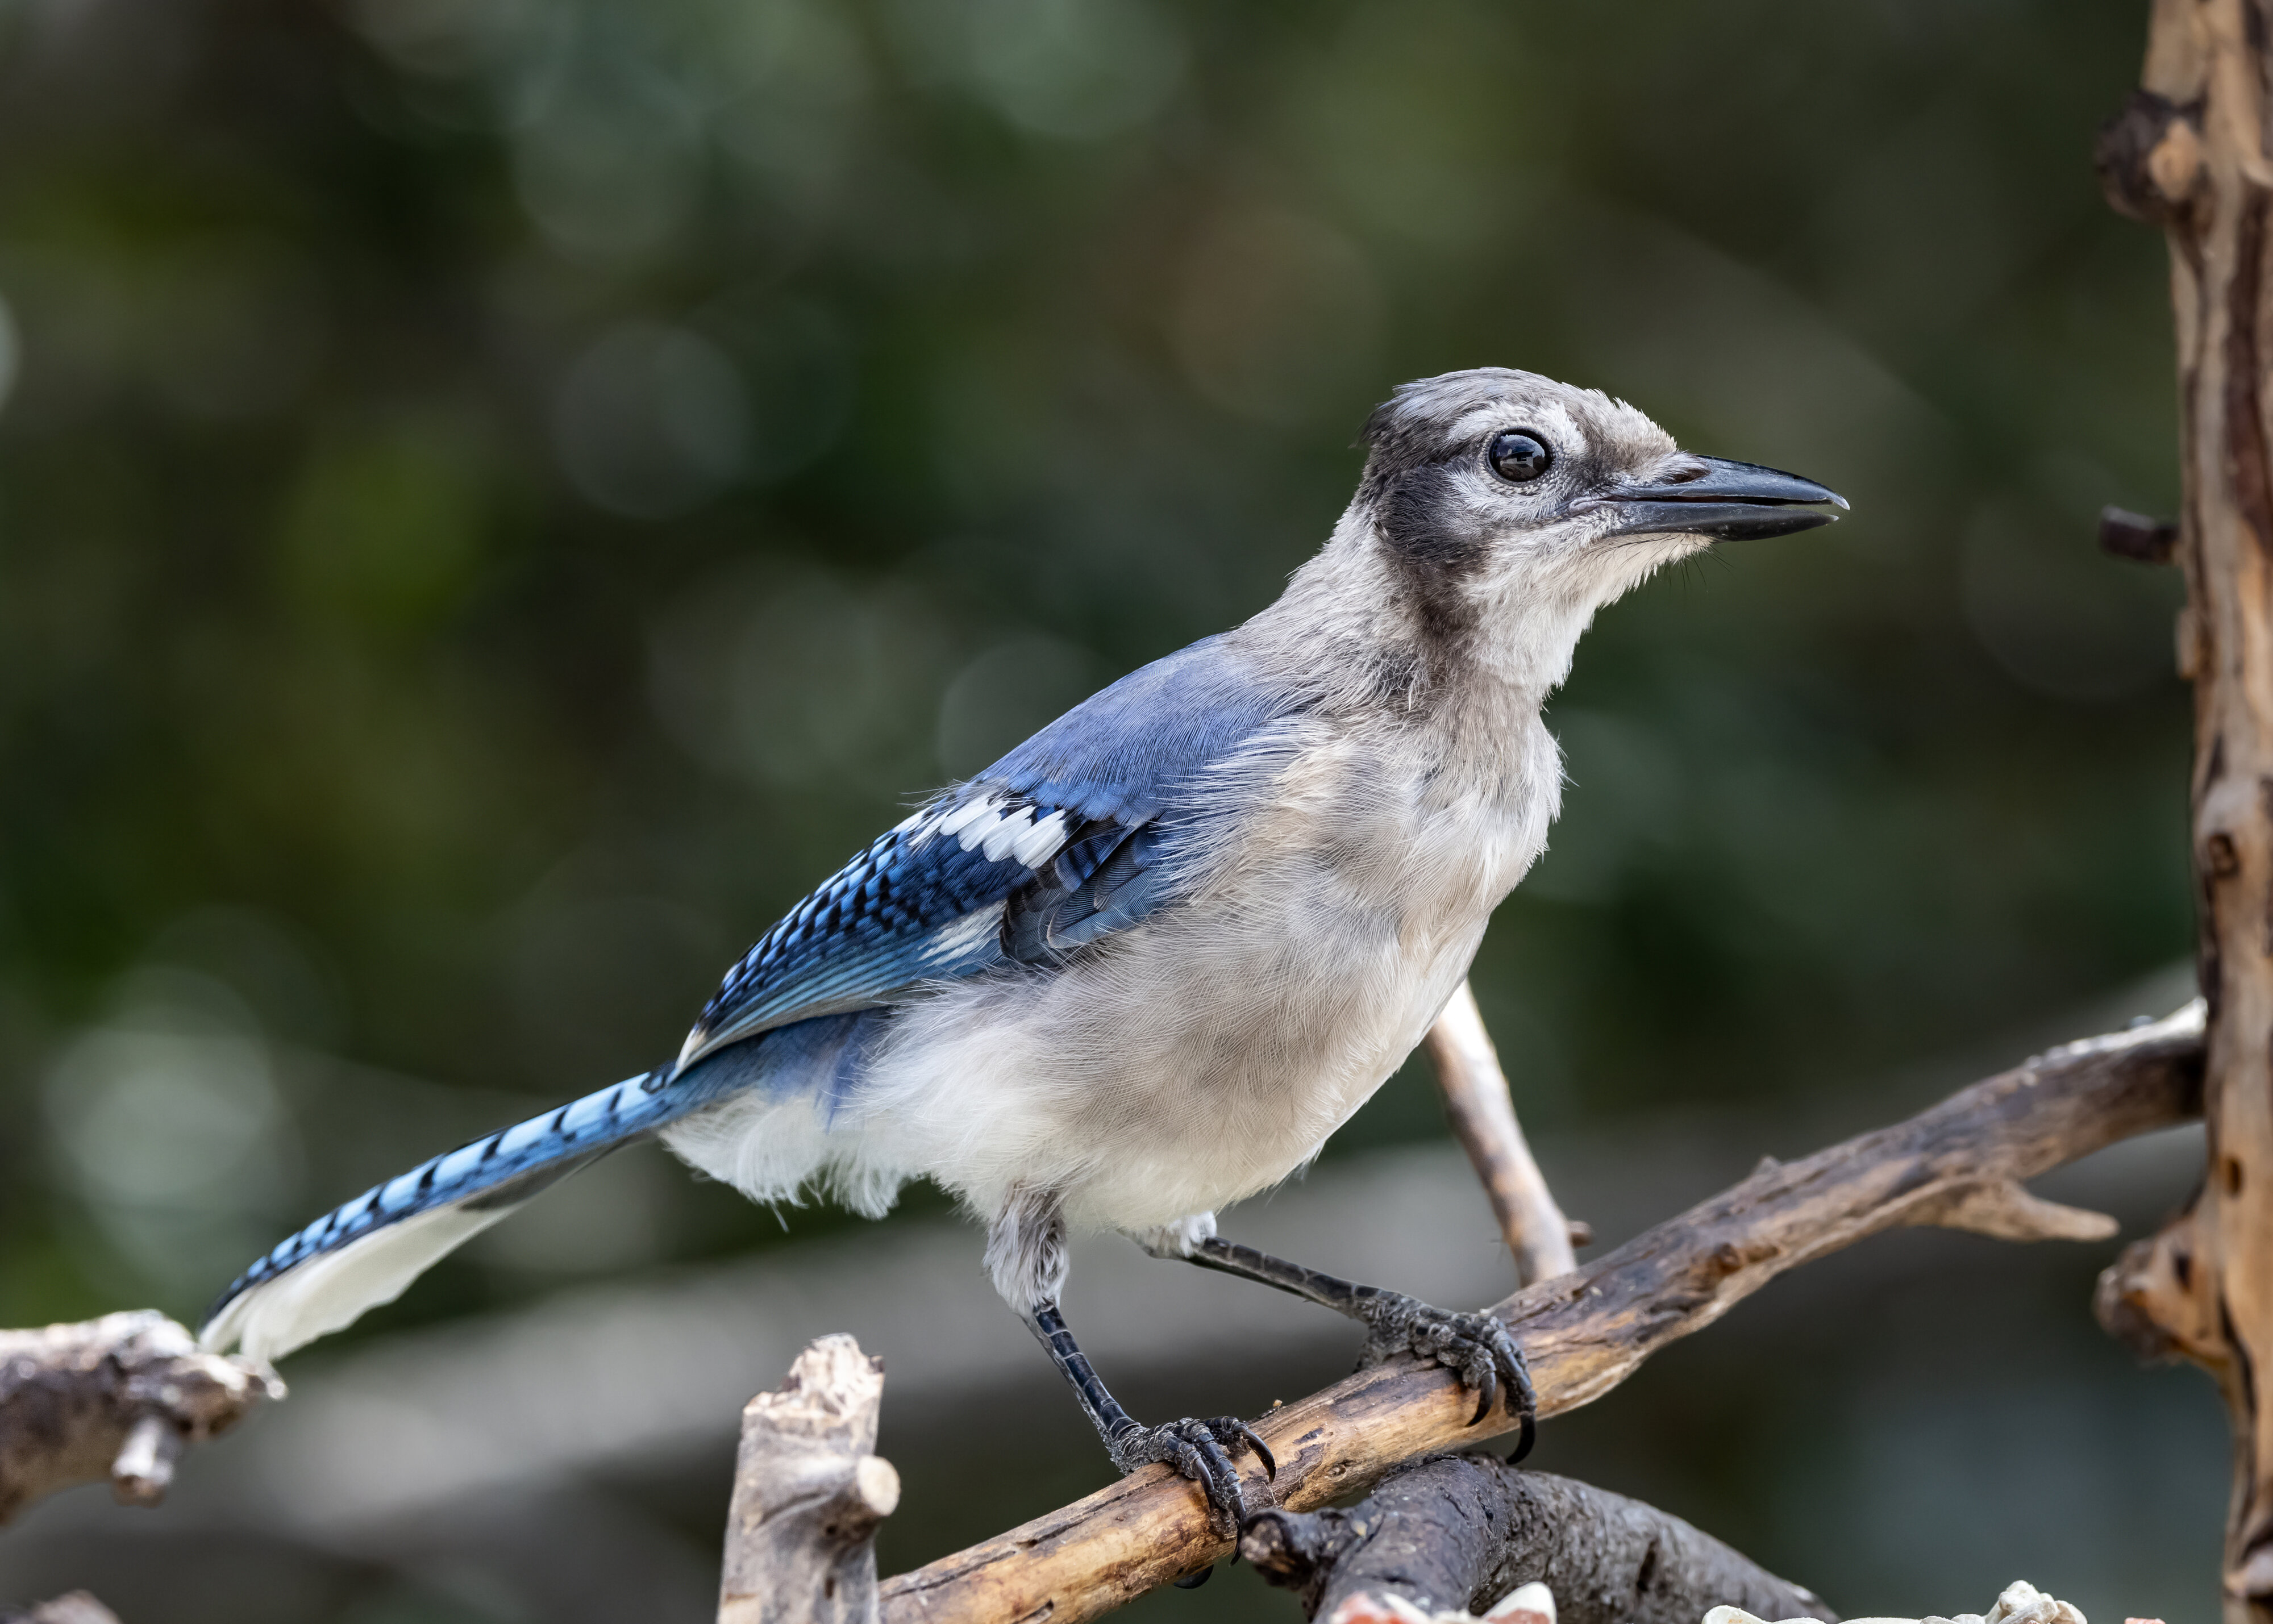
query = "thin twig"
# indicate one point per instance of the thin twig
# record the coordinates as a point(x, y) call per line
point(1483, 1114)
point(1958, 1164)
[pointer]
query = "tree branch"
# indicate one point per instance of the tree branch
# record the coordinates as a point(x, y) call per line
point(1586, 1332)
point(1457, 1532)
point(809, 1492)
point(1482, 1115)
point(117, 1397)
point(2188, 153)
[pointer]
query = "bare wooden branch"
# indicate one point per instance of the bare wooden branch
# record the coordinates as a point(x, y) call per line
point(2001, 1209)
point(809, 1492)
point(1457, 1532)
point(2189, 153)
point(1586, 1331)
point(2125, 534)
point(1483, 1114)
point(118, 1397)
point(2155, 1300)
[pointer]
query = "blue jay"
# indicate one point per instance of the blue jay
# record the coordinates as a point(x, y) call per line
point(1145, 963)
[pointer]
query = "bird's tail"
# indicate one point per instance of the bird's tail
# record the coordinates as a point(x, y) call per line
point(365, 1253)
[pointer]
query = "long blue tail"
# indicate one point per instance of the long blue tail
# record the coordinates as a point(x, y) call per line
point(364, 1254)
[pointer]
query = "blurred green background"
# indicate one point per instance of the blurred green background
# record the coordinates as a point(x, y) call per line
point(498, 497)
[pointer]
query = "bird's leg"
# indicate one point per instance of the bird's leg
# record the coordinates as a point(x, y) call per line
point(1474, 1347)
point(1025, 1253)
point(1199, 1449)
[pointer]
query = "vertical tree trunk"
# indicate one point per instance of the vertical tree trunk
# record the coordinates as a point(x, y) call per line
point(2190, 153)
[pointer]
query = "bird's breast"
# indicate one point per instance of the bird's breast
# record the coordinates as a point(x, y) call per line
point(1205, 1053)
point(1260, 1017)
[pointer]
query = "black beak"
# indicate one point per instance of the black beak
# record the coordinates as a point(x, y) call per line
point(1729, 501)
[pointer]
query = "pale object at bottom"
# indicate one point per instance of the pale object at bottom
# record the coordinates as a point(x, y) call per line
point(1527, 1604)
point(2021, 1603)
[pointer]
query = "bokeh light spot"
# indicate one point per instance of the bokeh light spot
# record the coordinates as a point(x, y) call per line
point(652, 422)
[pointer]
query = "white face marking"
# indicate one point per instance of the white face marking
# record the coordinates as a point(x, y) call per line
point(1549, 419)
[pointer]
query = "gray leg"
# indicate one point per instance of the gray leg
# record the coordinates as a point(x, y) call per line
point(1475, 1347)
point(1025, 1254)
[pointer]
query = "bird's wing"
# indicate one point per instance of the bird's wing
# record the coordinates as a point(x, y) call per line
point(1058, 844)
point(1055, 846)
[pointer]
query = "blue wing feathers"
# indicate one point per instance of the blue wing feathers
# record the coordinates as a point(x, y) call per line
point(1055, 846)
point(1109, 768)
point(866, 933)
point(1123, 752)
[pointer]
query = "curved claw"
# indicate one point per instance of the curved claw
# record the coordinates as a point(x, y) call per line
point(1523, 1398)
point(1527, 1435)
point(1200, 1459)
point(1477, 1348)
point(1222, 1478)
point(1253, 1439)
point(1487, 1391)
point(1195, 1451)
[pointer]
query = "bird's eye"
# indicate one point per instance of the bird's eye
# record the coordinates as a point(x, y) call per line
point(1518, 458)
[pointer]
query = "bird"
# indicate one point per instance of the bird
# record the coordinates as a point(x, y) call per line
point(1142, 967)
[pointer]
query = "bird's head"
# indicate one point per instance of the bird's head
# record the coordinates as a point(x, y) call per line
point(1491, 492)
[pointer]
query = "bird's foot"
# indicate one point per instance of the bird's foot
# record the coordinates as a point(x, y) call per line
point(1202, 1451)
point(1474, 1347)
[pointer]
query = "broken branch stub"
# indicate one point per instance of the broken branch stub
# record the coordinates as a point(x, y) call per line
point(118, 1398)
point(809, 1492)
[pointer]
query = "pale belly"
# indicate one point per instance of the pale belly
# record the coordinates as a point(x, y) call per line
point(1196, 1057)
point(1220, 1114)
point(1208, 1053)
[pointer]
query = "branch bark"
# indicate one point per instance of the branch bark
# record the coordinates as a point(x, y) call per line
point(1457, 1532)
point(1959, 1164)
point(809, 1492)
point(2189, 153)
point(117, 1397)
point(1483, 1114)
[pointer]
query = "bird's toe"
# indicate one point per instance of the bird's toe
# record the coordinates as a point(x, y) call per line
point(1202, 1451)
point(1477, 1348)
